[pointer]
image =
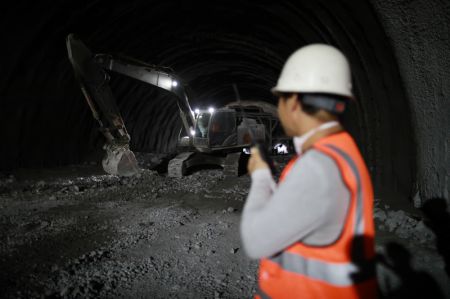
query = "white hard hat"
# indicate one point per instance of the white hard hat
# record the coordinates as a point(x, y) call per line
point(316, 68)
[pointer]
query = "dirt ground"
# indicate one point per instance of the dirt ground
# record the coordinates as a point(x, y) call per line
point(77, 233)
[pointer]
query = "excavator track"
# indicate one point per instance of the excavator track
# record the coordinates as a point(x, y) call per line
point(177, 167)
point(231, 164)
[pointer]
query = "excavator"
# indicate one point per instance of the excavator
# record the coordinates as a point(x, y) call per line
point(216, 137)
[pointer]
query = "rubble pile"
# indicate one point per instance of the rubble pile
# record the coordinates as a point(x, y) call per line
point(151, 236)
point(147, 179)
point(103, 236)
point(151, 160)
point(403, 225)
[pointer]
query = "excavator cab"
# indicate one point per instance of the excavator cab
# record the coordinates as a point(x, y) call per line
point(215, 130)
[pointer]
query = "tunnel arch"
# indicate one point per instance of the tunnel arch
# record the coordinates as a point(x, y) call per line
point(210, 44)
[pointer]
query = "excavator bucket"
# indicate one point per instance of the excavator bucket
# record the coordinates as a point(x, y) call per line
point(119, 160)
point(93, 80)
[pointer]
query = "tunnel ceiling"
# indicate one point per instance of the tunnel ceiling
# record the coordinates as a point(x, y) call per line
point(210, 45)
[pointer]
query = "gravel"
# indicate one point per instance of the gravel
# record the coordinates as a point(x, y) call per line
point(404, 226)
point(148, 236)
point(103, 236)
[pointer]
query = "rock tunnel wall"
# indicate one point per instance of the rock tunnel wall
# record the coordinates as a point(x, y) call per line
point(213, 44)
point(419, 32)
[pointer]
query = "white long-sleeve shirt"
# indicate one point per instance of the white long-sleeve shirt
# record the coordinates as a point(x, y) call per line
point(310, 206)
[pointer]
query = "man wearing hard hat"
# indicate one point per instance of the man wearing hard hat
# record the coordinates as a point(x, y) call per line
point(314, 231)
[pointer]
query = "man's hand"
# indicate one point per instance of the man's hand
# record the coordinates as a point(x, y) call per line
point(255, 162)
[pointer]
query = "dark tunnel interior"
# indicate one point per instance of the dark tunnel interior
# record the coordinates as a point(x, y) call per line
point(211, 45)
point(69, 228)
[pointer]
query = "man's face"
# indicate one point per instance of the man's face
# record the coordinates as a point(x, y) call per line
point(285, 112)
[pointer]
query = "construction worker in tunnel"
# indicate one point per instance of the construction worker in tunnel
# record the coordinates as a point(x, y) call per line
point(314, 231)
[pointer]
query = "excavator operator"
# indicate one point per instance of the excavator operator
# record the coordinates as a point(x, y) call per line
point(203, 123)
point(314, 231)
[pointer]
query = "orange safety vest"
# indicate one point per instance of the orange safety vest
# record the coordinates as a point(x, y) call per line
point(344, 269)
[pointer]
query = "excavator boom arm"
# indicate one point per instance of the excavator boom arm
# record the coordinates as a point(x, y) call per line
point(90, 71)
point(152, 75)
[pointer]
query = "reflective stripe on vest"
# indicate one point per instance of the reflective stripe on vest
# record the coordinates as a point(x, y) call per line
point(343, 269)
point(359, 223)
point(338, 274)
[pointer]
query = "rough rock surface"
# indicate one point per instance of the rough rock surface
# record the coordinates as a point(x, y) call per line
point(419, 34)
point(149, 236)
point(105, 236)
